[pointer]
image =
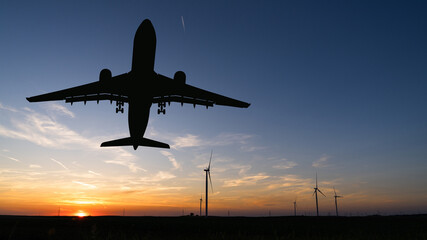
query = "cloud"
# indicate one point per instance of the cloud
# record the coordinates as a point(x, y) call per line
point(124, 158)
point(14, 159)
point(60, 109)
point(42, 130)
point(127, 163)
point(11, 109)
point(248, 180)
point(95, 173)
point(321, 162)
point(223, 139)
point(59, 163)
point(161, 175)
point(285, 164)
point(35, 166)
point(171, 159)
point(298, 184)
point(186, 141)
point(246, 148)
point(85, 184)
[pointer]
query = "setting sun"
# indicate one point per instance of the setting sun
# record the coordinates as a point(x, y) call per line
point(81, 214)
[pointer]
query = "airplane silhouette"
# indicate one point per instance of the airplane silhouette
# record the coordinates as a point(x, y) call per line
point(140, 88)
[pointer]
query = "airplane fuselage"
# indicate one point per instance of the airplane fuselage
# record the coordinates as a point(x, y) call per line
point(142, 77)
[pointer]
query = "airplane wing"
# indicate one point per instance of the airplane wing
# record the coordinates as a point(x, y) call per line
point(172, 91)
point(95, 91)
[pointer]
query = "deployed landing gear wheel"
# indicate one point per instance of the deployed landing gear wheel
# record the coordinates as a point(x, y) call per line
point(162, 106)
point(119, 107)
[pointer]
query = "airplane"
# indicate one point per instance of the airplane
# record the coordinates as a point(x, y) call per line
point(140, 88)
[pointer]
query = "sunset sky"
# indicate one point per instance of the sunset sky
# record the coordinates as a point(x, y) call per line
point(337, 87)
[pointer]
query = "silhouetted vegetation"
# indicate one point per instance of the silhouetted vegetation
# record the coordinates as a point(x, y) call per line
point(374, 227)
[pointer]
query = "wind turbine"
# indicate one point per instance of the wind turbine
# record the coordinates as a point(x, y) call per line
point(201, 200)
point(316, 189)
point(336, 204)
point(295, 207)
point(208, 173)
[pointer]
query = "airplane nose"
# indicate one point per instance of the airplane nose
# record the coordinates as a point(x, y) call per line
point(147, 23)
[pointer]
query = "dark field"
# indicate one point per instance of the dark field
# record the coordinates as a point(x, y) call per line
point(376, 227)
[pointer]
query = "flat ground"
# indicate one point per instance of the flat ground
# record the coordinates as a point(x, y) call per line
point(374, 227)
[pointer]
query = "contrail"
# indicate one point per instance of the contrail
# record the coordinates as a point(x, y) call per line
point(183, 24)
point(94, 173)
point(85, 184)
point(58, 162)
point(14, 159)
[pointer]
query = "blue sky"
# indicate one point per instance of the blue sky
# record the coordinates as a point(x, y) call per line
point(335, 86)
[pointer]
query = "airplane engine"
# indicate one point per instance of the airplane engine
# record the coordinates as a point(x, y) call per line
point(180, 77)
point(105, 75)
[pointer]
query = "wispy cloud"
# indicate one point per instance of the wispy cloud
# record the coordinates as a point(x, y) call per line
point(188, 140)
point(14, 159)
point(59, 163)
point(42, 130)
point(124, 158)
point(285, 164)
point(222, 139)
point(11, 109)
point(321, 162)
point(171, 159)
point(159, 176)
point(231, 138)
point(60, 109)
point(241, 169)
point(298, 184)
point(248, 180)
point(34, 166)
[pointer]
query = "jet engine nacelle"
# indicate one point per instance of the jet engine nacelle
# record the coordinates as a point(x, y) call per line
point(180, 77)
point(105, 75)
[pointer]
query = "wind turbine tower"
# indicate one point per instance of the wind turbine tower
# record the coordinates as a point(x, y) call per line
point(336, 204)
point(208, 174)
point(201, 200)
point(316, 189)
point(295, 207)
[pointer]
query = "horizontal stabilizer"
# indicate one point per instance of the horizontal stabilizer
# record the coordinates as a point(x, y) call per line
point(135, 142)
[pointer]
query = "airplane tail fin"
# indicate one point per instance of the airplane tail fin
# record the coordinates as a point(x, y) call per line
point(135, 142)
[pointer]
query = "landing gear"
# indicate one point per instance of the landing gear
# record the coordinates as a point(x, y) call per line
point(162, 106)
point(119, 107)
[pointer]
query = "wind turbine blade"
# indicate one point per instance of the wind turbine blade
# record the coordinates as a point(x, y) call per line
point(335, 191)
point(321, 192)
point(210, 159)
point(316, 179)
point(210, 179)
point(313, 193)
